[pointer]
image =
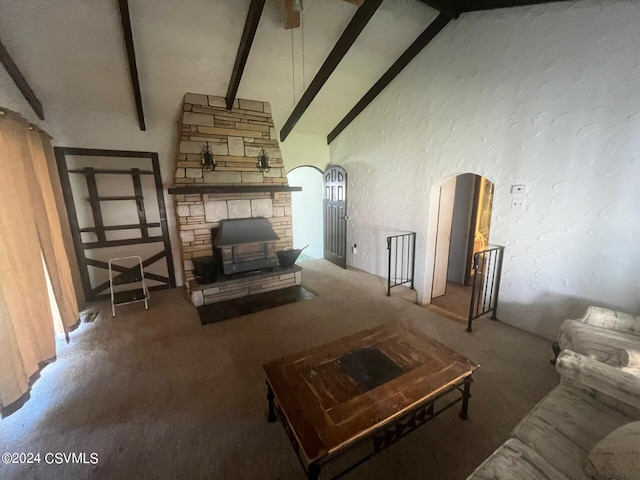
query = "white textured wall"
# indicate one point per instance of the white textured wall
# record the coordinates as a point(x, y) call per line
point(11, 98)
point(545, 96)
point(305, 149)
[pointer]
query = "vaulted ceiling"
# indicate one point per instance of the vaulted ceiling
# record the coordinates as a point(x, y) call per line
point(72, 53)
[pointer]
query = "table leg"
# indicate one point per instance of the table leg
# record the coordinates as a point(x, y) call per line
point(314, 471)
point(466, 395)
point(272, 411)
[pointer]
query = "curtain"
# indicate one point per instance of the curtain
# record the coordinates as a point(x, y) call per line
point(30, 232)
point(50, 231)
point(60, 214)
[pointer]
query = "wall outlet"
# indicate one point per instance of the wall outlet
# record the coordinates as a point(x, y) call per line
point(354, 249)
point(517, 203)
point(518, 189)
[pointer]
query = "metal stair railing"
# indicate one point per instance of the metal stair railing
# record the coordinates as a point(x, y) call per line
point(487, 270)
point(401, 252)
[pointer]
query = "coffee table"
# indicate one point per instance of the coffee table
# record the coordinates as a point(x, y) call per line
point(372, 387)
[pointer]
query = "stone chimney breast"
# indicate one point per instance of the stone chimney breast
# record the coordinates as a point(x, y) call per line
point(236, 138)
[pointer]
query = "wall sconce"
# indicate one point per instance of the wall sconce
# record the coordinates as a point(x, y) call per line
point(208, 162)
point(263, 161)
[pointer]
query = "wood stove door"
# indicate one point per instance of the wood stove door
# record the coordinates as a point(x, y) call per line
point(335, 215)
point(116, 208)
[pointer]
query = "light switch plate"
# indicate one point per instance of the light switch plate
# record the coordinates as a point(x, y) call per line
point(518, 189)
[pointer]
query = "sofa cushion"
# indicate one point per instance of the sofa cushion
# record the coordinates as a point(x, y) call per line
point(612, 320)
point(595, 342)
point(565, 426)
point(625, 357)
point(617, 455)
point(516, 461)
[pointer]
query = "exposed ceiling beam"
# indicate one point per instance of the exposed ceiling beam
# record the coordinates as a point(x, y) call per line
point(450, 8)
point(16, 75)
point(409, 54)
point(131, 56)
point(475, 5)
point(348, 37)
point(249, 32)
point(291, 14)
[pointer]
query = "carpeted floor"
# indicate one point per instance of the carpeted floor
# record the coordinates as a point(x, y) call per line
point(455, 302)
point(158, 396)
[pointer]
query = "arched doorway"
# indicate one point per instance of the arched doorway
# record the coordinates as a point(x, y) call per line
point(462, 228)
point(306, 207)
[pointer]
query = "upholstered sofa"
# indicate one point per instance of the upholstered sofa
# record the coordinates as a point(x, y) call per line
point(581, 429)
point(601, 334)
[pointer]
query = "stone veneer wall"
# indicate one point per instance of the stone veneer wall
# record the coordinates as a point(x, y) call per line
point(235, 137)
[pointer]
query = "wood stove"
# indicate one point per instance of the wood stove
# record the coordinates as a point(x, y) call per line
point(246, 244)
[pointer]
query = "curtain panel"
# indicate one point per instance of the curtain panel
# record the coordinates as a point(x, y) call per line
point(31, 238)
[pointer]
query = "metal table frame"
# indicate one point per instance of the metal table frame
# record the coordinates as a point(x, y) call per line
point(386, 434)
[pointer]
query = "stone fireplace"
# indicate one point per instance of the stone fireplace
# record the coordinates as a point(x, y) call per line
point(237, 192)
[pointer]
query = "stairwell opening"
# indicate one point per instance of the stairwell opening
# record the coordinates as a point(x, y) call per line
point(460, 227)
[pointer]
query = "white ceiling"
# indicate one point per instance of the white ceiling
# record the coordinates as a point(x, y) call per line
point(73, 56)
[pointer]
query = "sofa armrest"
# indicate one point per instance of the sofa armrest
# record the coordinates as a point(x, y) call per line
point(611, 319)
point(611, 381)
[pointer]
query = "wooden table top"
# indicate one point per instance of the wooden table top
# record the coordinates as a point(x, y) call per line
point(334, 394)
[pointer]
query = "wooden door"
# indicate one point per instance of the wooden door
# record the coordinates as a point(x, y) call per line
point(335, 215)
point(472, 230)
point(462, 229)
point(116, 208)
point(443, 238)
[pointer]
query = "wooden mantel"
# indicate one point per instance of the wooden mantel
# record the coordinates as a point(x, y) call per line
point(199, 189)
